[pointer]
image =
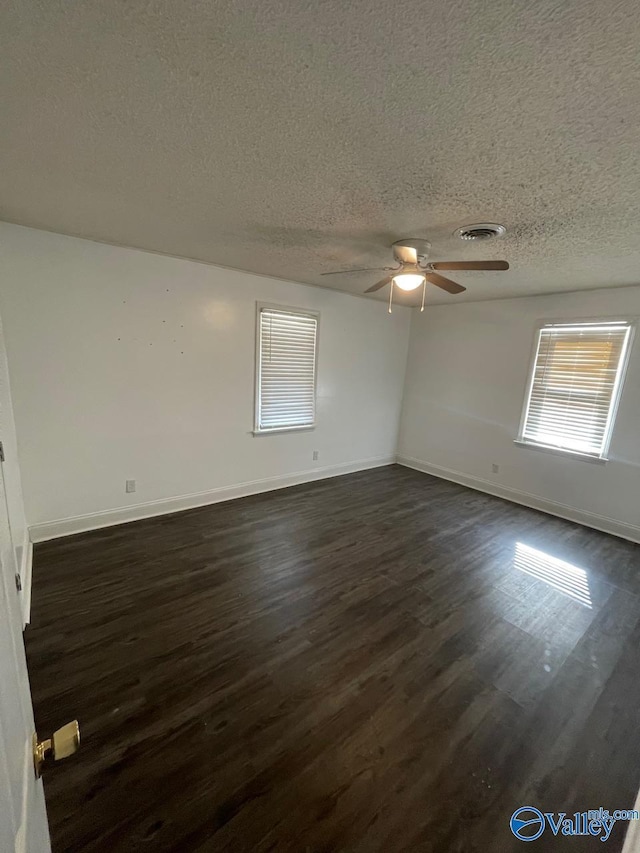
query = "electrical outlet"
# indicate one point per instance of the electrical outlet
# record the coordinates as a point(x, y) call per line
point(315, 455)
point(129, 486)
point(495, 468)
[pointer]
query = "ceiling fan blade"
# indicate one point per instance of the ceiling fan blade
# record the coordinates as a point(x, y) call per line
point(405, 254)
point(379, 284)
point(470, 265)
point(363, 269)
point(444, 283)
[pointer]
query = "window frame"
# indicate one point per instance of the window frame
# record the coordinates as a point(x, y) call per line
point(285, 309)
point(625, 358)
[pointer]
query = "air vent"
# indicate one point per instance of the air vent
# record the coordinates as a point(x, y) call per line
point(482, 231)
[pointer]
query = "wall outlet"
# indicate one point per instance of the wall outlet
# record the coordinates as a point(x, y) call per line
point(315, 455)
point(495, 468)
point(129, 486)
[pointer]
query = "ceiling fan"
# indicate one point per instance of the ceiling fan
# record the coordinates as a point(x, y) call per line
point(413, 269)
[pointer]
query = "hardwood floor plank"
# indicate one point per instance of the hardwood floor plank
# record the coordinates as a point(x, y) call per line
point(384, 661)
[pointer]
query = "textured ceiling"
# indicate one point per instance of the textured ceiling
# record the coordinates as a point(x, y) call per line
point(292, 138)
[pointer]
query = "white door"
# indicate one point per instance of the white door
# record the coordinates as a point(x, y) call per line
point(23, 818)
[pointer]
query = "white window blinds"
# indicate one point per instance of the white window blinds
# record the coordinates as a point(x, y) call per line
point(286, 382)
point(574, 387)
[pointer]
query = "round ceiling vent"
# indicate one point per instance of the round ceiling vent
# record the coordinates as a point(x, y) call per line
point(481, 231)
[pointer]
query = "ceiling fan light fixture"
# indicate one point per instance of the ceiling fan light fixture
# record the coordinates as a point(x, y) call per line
point(408, 280)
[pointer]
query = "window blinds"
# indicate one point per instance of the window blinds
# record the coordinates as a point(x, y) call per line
point(575, 384)
point(286, 369)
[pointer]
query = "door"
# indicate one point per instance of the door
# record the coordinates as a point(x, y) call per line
point(23, 819)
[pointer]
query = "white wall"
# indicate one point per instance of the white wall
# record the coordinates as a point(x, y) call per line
point(466, 374)
point(126, 364)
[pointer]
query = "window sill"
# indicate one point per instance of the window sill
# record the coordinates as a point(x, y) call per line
point(558, 451)
point(280, 430)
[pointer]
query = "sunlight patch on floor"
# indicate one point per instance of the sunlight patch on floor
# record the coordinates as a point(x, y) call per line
point(565, 577)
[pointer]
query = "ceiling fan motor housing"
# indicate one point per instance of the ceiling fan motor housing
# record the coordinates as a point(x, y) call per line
point(420, 246)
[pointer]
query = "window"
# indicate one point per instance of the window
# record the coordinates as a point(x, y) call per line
point(286, 369)
point(575, 383)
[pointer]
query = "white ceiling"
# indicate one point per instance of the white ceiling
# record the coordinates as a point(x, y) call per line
point(292, 138)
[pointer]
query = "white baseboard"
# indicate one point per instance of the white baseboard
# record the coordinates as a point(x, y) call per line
point(107, 518)
point(26, 562)
point(589, 519)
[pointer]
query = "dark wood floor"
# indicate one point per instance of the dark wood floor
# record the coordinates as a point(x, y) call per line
point(359, 664)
